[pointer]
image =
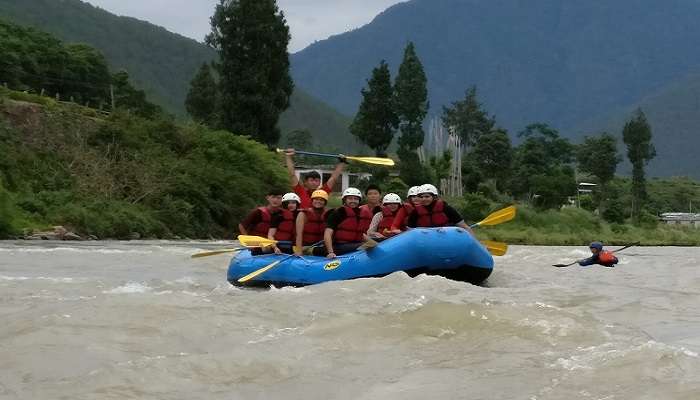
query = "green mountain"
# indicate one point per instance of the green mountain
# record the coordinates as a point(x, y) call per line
point(555, 61)
point(158, 61)
point(674, 115)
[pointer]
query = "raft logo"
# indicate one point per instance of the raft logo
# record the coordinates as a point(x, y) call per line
point(332, 265)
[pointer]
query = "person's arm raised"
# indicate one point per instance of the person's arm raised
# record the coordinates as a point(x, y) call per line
point(289, 160)
point(336, 174)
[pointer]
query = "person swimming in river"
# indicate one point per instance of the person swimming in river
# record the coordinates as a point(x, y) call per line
point(602, 257)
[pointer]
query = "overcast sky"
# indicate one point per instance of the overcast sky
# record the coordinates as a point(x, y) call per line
point(309, 20)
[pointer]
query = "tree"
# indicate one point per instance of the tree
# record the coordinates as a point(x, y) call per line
point(542, 167)
point(201, 102)
point(126, 97)
point(251, 37)
point(637, 136)
point(492, 155)
point(411, 106)
point(375, 121)
point(299, 139)
point(467, 119)
point(597, 155)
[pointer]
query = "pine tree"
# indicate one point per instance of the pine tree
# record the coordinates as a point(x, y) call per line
point(201, 100)
point(637, 136)
point(251, 37)
point(467, 119)
point(411, 106)
point(375, 121)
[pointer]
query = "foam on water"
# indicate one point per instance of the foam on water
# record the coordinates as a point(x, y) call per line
point(145, 321)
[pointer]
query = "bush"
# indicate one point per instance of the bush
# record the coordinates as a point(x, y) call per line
point(6, 213)
point(474, 207)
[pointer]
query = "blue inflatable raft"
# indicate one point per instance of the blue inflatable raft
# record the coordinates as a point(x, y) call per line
point(450, 252)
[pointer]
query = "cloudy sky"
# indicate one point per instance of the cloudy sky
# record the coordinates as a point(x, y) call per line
point(309, 20)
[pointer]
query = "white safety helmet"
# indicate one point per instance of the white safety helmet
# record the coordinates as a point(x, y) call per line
point(413, 191)
point(291, 197)
point(391, 198)
point(428, 188)
point(351, 191)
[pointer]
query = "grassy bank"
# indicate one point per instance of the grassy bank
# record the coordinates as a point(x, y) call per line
point(574, 226)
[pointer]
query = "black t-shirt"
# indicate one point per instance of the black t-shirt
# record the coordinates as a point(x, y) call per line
point(453, 216)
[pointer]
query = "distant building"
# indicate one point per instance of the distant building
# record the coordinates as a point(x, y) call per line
point(348, 179)
point(687, 219)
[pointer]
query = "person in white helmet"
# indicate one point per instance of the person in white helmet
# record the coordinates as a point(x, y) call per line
point(346, 226)
point(380, 227)
point(399, 222)
point(284, 222)
point(434, 212)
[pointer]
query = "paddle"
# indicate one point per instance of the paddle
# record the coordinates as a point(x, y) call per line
point(614, 251)
point(216, 252)
point(497, 217)
point(263, 269)
point(255, 241)
point(495, 248)
point(367, 160)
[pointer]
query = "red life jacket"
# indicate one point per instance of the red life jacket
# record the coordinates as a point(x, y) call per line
point(285, 230)
point(263, 226)
point(389, 220)
point(607, 258)
point(354, 226)
point(401, 217)
point(314, 227)
point(373, 210)
point(432, 218)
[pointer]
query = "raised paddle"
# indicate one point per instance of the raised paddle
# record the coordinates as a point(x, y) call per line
point(497, 217)
point(367, 160)
point(614, 251)
point(495, 248)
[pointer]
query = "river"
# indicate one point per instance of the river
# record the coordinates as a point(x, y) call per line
point(142, 320)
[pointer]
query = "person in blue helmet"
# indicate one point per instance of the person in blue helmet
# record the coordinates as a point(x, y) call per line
point(600, 256)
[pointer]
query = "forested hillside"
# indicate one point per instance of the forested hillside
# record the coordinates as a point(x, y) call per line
point(160, 62)
point(674, 114)
point(556, 61)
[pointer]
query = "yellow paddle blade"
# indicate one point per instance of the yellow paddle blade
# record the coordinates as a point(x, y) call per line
point(373, 160)
point(255, 241)
point(498, 217)
point(215, 252)
point(495, 248)
point(259, 271)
